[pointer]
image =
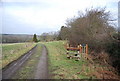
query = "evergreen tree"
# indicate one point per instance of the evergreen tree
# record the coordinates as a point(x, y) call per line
point(35, 38)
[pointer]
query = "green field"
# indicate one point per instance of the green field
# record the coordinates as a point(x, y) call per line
point(11, 52)
point(63, 68)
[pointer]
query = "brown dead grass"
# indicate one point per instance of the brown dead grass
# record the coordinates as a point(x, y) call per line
point(101, 65)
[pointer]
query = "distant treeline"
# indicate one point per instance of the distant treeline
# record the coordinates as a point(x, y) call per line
point(51, 36)
point(16, 38)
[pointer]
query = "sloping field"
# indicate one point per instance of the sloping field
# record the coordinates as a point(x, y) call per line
point(11, 52)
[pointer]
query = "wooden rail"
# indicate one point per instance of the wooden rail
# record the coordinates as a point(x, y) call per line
point(80, 48)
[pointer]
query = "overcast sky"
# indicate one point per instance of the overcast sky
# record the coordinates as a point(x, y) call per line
point(38, 16)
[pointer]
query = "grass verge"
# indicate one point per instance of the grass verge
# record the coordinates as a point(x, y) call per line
point(62, 68)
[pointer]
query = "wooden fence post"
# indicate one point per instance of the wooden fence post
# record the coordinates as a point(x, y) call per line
point(80, 48)
point(86, 50)
point(67, 45)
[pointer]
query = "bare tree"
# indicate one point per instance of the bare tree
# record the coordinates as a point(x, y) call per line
point(92, 27)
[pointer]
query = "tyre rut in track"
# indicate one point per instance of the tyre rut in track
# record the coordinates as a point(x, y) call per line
point(13, 67)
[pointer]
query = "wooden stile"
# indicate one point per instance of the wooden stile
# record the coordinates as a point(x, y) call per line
point(81, 49)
